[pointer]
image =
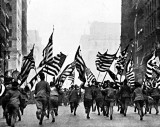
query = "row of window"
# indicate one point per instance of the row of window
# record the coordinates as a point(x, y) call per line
point(151, 6)
point(150, 24)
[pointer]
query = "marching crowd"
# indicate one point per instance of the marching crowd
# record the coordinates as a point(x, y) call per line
point(105, 95)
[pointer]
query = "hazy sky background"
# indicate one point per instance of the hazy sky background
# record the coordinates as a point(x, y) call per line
point(71, 19)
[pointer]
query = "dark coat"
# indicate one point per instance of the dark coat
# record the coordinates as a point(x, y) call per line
point(125, 91)
point(14, 97)
point(74, 96)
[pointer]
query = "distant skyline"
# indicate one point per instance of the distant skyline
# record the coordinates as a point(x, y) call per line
point(71, 19)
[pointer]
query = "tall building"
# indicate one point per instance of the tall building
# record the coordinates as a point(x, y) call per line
point(24, 27)
point(5, 9)
point(18, 34)
point(102, 37)
point(141, 22)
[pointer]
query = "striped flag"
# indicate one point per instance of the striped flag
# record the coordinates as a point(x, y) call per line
point(130, 74)
point(89, 75)
point(47, 52)
point(66, 72)
point(28, 64)
point(71, 77)
point(104, 61)
point(34, 79)
point(148, 84)
point(158, 82)
point(53, 66)
point(80, 65)
point(149, 68)
point(121, 61)
point(112, 75)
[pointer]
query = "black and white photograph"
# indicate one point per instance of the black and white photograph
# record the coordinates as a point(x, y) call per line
point(79, 63)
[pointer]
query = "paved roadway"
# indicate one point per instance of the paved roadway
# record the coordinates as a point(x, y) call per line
point(66, 119)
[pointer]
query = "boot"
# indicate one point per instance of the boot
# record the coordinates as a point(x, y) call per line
point(53, 120)
point(88, 116)
point(141, 117)
point(111, 117)
point(38, 115)
point(41, 119)
point(157, 111)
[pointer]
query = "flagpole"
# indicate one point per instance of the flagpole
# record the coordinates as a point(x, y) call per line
point(98, 75)
point(104, 77)
point(120, 78)
point(115, 54)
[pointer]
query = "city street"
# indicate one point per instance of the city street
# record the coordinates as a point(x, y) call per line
point(66, 119)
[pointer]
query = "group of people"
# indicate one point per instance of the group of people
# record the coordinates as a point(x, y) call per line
point(109, 94)
point(105, 96)
point(14, 100)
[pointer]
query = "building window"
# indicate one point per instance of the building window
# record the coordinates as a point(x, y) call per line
point(10, 32)
point(10, 43)
point(10, 19)
point(158, 3)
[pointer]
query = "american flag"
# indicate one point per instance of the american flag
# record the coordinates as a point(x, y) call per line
point(28, 64)
point(148, 83)
point(112, 75)
point(104, 61)
point(150, 65)
point(34, 79)
point(130, 74)
point(121, 61)
point(47, 52)
point(72, 77)
point(66, 72)
point(90, 75)
point(53, 66)
point(80, 65)
point(158, 82)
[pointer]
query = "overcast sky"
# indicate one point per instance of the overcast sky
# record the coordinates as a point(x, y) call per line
point(71, 19)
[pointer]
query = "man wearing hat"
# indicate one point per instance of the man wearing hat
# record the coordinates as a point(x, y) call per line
point(109, 99)
point(88, 98)
point(125, 93)
point(14, 98)
point(74, 97)
point(98, 96)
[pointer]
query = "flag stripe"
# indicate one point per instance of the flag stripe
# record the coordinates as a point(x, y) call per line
point(80, 65)
point(130, 74)
point(104, 61)
point(72, 77)
point(47, 52)
point(89, 75)
point(53, 67)
point(66, 72)
point(28, 64)
point(149, 68)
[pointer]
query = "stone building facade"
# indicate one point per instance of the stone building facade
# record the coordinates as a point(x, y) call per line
point(17, 33)
point(5, 9)
point(141, 22)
